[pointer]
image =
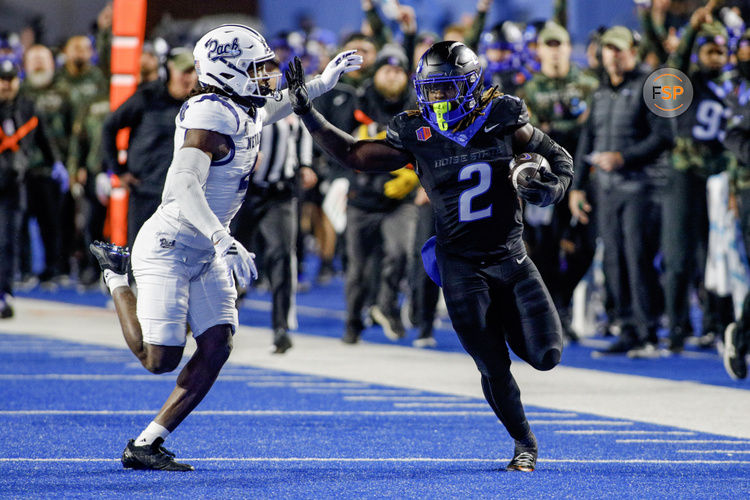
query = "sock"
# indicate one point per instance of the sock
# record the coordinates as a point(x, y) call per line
point(114, 280)
point(150, 433)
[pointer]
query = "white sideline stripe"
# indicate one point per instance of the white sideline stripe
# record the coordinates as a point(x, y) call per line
point(146, 377)
point(405, 398)
point(314, 413)
point(359, 391)
point(400, 460)
point(449, 405)
point(683, 441)
point(739, 452)
point(600, 431)
point(307, 384)
point(322, 413)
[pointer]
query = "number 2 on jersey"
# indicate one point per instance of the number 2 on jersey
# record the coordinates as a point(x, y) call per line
point(465, 213)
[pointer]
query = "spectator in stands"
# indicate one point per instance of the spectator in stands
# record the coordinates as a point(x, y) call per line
point(558, 98)
point(44, 195)
point(150, 113)
point(20, 133)
point(381, 215)
point(737, 140)
point(698, 154)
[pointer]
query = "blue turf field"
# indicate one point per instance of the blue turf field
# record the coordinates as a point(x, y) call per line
point(67, 410)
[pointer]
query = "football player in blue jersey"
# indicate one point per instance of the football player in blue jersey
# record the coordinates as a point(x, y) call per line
point(461, 141)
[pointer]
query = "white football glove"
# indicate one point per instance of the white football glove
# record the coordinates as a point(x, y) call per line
point(238, 259)
point(344, 62)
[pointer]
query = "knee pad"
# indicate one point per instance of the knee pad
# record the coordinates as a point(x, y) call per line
point(550, 360)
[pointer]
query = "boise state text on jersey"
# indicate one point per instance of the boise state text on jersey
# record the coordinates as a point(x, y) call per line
point(478, 215)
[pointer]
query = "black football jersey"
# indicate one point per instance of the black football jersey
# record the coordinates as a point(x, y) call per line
point(477, 213)
point(706, 118)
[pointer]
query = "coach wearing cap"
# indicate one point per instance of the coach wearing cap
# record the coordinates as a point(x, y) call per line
point(150, 113)
point(622, 142)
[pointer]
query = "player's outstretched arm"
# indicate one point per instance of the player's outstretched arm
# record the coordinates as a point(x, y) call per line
point(365, 155)
point(344, 62)
point(552, 186)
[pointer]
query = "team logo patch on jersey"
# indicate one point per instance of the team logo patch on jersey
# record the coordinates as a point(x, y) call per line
point(165, 243)
point(424, 133)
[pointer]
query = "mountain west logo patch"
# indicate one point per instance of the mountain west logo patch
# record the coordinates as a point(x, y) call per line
point(424, 133)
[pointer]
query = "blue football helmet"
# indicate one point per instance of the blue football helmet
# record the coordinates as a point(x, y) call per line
point(448, 82)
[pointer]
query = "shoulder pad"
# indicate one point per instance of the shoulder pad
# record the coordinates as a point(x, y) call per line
point(210, 112)
point(397, 131)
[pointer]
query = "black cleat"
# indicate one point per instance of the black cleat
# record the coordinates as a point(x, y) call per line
point(524, 455)
point(151, 457)
point(734, 353)
point(112, 257)
point(351, 335)
point(6, 309)
point(281, 341)
point(524, 461)
point(392, 325)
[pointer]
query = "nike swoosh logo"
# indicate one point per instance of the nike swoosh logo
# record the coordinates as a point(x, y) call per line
point(520, 261)
point(488, 129)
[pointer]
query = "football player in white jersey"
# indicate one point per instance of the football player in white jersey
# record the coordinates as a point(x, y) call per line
point(184, 257)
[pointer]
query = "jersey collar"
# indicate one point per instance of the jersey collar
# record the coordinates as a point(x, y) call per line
point(463, 137)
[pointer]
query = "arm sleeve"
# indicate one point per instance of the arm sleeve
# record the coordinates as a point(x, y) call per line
point(45, 145)
point(681, 57)
point(367, 155)
point(380, 32)
point(305, 148)
point(585, 145)
point(274, 111)
point(127, 115)
point(559, 159)
point(185, 180)
point(475, 31)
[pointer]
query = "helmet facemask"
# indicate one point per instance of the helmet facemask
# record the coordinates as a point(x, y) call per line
point(445, 100)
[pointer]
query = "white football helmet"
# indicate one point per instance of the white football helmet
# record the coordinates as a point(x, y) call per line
point(231, 57)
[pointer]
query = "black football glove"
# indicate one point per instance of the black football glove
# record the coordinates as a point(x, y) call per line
point(542, 192)
point(295, 79)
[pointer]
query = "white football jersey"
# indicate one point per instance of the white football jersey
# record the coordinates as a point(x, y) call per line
point(228, 177)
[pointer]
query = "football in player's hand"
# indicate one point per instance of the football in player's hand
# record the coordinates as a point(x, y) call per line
point(524, 167)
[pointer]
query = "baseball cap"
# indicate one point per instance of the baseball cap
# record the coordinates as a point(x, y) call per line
point(619, 36)
point(553, 32)
point(182, 60)
point(712, 33)
point(392, 54)
point(8, 69)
